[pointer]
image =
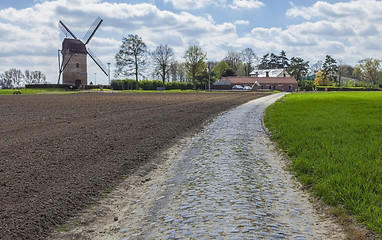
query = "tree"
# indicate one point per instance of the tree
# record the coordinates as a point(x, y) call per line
point(298, 68)
point(271, 61)
point(174, 66)
point(131, 56)
point(282, 60)
point(233, 59)
point(11, 78)
point(330, 68)
point(220, 68)
point(264, 62)
point(162, 56)
point(248, 56)
point(316, 66)
point(322, 79)
point(34, 77)
point(194, 63)
point(367, 70)
point(343, 71)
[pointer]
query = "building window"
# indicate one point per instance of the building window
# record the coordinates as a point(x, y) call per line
point(77, 65)
point(290, 87)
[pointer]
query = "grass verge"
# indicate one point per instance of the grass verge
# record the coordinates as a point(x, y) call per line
point(30, 91)
point(334, 141)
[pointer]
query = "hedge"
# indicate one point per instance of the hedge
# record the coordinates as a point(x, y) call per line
point(129, 84)
point(333, 88)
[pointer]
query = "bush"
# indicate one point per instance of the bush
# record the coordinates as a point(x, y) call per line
point(306, 85)
point(126, 84)
point(178, 85)
point(150, 85)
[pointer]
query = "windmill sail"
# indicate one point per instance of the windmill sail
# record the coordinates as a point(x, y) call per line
point(66, 30)
point(92, 30)
point(97, 61)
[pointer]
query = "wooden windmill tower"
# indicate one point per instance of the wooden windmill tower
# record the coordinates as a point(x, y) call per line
point(74, 56)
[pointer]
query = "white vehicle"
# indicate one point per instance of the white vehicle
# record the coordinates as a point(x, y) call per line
point(246, 87)
point(237, 87)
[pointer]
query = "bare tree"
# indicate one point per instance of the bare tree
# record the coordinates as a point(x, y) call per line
point(343, 71)
point(11, 78)
point(174, 66)
point(248, 57)
point(233, 59)
point(131, 57)
point(34, 77)
point(162, 57)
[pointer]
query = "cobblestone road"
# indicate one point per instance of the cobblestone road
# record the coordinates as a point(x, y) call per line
point(227, 182)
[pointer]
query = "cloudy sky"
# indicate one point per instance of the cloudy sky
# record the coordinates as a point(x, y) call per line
point(347, 30)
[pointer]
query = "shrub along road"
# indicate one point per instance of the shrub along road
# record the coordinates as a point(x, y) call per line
point(60, 153)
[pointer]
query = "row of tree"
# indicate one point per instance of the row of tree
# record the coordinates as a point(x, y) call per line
point(14, 78)
point(133, 56)
point(367, 71)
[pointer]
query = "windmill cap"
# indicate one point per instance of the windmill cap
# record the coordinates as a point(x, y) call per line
point(70, 45)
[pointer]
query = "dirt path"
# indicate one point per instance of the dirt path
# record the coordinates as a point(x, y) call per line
point(226, 182)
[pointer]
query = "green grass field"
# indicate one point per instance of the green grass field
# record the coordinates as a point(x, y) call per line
point(335, 143)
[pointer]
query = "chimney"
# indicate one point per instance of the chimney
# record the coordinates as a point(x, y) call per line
point(266, 74)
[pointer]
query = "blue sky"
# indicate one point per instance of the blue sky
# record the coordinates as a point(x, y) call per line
point(347, 30)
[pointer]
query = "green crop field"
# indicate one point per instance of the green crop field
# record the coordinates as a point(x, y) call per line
point(335, 143)
point(35, 91)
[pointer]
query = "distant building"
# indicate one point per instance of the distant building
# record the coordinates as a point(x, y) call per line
point(284, 84)
point(279, 72)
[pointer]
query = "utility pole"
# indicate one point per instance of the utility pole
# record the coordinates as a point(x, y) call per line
point(108, 69)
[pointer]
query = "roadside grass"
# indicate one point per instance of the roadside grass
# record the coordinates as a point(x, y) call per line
point(31, 91)
point(334, 141)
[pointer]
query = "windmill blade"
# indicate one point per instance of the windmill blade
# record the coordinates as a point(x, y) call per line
point(66, 30)
point(92, 30)
point(97, 61)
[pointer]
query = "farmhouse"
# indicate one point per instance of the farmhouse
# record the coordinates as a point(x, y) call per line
point(285, 84)
point(278, 72)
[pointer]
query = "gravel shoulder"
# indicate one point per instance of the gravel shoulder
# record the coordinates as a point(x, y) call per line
point(225, 182)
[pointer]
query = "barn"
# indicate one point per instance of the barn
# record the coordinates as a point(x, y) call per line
point(284, 84)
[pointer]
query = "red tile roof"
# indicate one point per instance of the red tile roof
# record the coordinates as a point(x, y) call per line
point(261, 80)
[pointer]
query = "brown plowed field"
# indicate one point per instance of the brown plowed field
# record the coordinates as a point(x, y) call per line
point(59, 153)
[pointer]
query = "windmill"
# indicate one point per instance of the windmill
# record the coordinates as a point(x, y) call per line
point(74, 56)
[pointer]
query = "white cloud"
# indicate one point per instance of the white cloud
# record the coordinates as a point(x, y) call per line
point(246, 4)
point(241, 22)
point(189, 4)
point(197, 4)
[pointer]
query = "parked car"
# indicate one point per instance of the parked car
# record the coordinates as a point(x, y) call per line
point(246, 87)
point(237, 87)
